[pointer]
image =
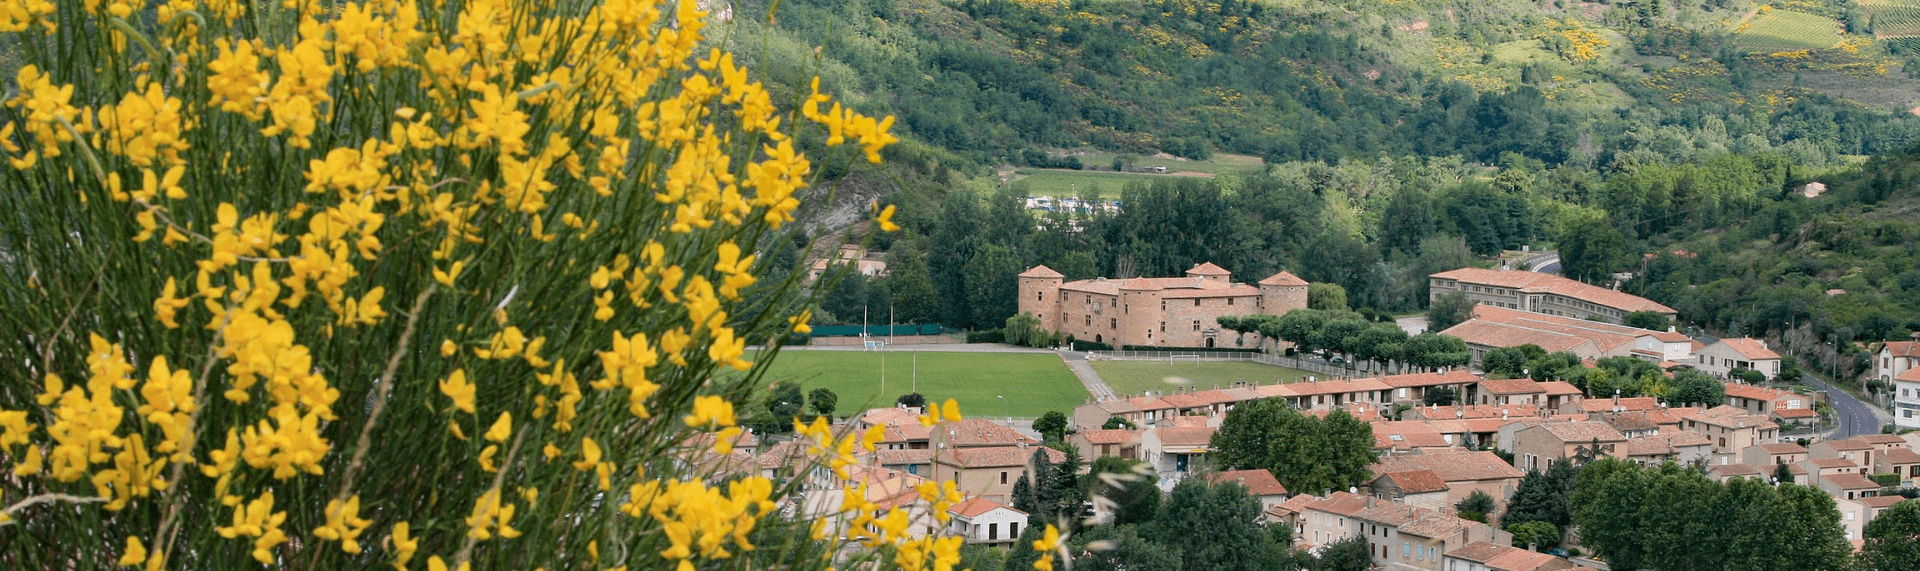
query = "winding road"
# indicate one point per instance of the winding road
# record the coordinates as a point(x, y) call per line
point(1855, 417)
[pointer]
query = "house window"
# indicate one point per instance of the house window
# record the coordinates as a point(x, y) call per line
point(1196, 325)
point(1089, 320)
point(1163, 327)
point(1196, 302)
point(1003, 477)
point(1039, 296)
point(1163, 305)
point(1403, 549)
point(993, 531)
point(1113, 323)
point(1229, 301)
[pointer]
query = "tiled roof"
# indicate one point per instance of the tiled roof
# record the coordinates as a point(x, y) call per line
point(1294, 504)
point(1731, 470)
point(1512, 387)
point(1101, 286)
point(1605, 336)
point(1041, 272)
point(1903, 348)
point(1257, 482)
point(1194, 421)
point(975, 506)
point(782, 454)
point(1912, 375)
point(1795, 413)
point(1534, 282)
point(1629, 421)
point(1750, 348)
point(1848, 444)
point(1522, 560)
point(1882, 502)
point(1582, 431)
point(1283, 279)
point(1732, 416)
point(1901, 456)
point(1342, 503)
point(898, 457)
point(1850, 481)
point(1648, 446)
point(1746, 391)
point(1501, 335)
point(1184, 400)
point(1323, 388)
point(1187, 437)
point(1458, 377)
point(1778, 448)
point(1451, 466)
point(1481, 551)
point(1470, 412)
point(1684, 438)
point(1824, 463)
point(1408, 440)
point(1417, 481)
point(1208, 269)
point(979, 432)
point(1389, 513)
point(994, 456)
point(1560, 388)
point(1110, 436)
point(1882, 439)
point(889, 415)
point(1234, 290)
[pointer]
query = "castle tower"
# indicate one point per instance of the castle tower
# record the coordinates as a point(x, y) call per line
point(1281, 293)
point(1040, 295)
point(1141, 314)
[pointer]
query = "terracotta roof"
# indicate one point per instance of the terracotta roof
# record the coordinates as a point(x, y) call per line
point(1746, 391)
point(1882, 502)
point(1323, 388)
point(1732, 416)
point(979, 432)
point(782, 454)
point(889, 415)
point(1208, 269)
point(1293, 505)
point(1848, 444)
point(1750, 348)
point(1451, 466)
point(1731, 470)
point(994, 456)
point(1629, 421)
point(1795, 413)
point(1533, 282)
point(1512, 387)
point(1110, 436)
point(1778, 448)
point(1882, 439)
point(1901, 456)
point(1234, 290)
point(1342, 503)
point(1192, 421)
point(1521, 560)
point(1481, 551)
point(1101, 286)
point(1041, 272)
point(1257, 482)
point(1903, 348)
point(975, 506)
point(1184, 400)
point(1457, 377)
point(1390, 513)
point(1912, 375)
point(1824, 463)
point(1417, 481)
point(1672, 337)
point(1582, 431)
point(1560, 388)
point(898, 457)
point(1187, 437)
point(1684, 438)
point(1470, 412)
point(1606, 336)
point(1408, 440)
point(1850, 481)
point(1283, 279)
point(1501, 335)
point(1648, 446)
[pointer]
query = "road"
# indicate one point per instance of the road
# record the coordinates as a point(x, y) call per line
point(1855, 417)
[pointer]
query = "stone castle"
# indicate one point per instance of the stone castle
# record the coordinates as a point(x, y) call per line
point(1161, 312)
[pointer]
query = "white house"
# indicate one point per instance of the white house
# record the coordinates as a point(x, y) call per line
point(1896, 357)
point(1725, 355)
point(1906, 399)
point(981, 520)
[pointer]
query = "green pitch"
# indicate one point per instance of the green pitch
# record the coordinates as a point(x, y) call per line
point(1135, 377)
point(1033, 383)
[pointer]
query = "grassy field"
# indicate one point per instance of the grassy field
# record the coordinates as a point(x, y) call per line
point(1134, 377)
point(1785, 30)
point(1054, 182)
point(1033, 383)
point(1218, 164)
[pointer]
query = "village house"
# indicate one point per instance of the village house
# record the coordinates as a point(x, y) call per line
point(826, 493)
point(1783, 405)
point(1509, 392)
point(1854, 450)
point(1679, 446)
point(986, 522)
point(1725, 355)
point(1260, 484)
point(1906, 399)
point(1849, 486)
point(1118, 442)
point(983, 458)
point(1330, 518)
point(1725, 472)
point(1896, 358)
point(1732, 429)
point(1328, 394)
point(1853, 516)
point(1538, 447)
point(1769, 455)
point(1541, 293)
point(1464, 472)
point(1158, 312)
point(1494, 327)
point(862, 262)
point(1407, 537)
point(1172, 451)
point(1419, 488)
point(1412, 388)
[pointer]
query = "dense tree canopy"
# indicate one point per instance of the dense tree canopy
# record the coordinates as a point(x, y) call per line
point(1303, 452)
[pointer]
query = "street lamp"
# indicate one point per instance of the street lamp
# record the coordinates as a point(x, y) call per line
point(1004, 409)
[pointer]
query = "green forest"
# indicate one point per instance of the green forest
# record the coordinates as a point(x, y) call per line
point(1646, 141)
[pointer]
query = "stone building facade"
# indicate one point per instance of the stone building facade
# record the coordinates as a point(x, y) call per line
point(1161, 312)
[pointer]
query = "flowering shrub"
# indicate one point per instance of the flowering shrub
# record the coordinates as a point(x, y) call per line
point(435, 285)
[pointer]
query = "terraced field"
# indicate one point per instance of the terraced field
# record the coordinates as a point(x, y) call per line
point(1894, 18)
point(1787, 30)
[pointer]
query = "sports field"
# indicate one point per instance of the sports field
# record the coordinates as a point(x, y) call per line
point(1786, 30)
point(1033, 383)
point(1135, 377)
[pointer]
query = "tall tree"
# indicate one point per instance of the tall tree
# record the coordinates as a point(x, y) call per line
point(1350, 554)
point(1893, 539)
point(822, 401)
point(1449, 310)
point(1303, 453)
point(1327, 297)
point(1219, 526)
point(992, 286)
point(1122, 549)
point(1052, 425)
point(1690, 386)
point(1592, 249)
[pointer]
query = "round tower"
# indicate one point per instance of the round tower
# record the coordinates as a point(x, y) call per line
point(1281, 293)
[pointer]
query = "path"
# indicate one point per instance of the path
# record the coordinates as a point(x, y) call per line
point(1077, 362)
point(1856, 418)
